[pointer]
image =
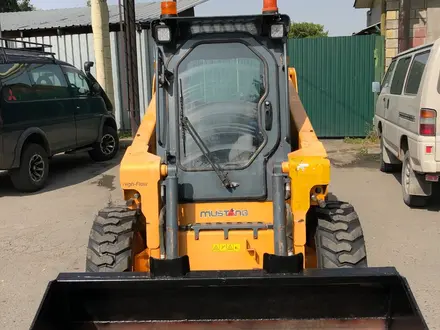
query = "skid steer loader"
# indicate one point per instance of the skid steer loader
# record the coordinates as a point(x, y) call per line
point(227, 223)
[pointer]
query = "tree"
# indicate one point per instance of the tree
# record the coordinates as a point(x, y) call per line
point(25, 5)
point(7, 6)
point(307, 30)
point(88, 3)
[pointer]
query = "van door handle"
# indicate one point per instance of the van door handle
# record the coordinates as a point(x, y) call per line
point(268, 115)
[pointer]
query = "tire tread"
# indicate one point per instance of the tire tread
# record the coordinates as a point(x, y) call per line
point(339, 237)
point(110, 240)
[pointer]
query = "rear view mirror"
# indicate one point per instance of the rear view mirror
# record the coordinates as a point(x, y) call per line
point(96, 88)
point(87, 66)
point(376, 87)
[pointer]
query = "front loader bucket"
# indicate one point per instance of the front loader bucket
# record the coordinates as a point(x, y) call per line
point(370, 298)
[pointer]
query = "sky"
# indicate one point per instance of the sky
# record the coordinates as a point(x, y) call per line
point(338, 16)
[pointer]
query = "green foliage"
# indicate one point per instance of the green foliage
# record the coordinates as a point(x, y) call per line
point(7, 6)
point(88, 3)
point(307, 30)
point(25, 5)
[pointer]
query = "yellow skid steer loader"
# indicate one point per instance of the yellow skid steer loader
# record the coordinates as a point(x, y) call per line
point(227, 223)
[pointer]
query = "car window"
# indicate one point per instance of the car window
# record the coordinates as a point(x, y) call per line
point(48, 81)
point(415, 73)
point(387, 79)
point(78, 81)
point(15, 82)
point(399, 75)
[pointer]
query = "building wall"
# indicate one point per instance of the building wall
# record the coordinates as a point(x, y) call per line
point(373, 16)
point(78, 48)
point(424, 24)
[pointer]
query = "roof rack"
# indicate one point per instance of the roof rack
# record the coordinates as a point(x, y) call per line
point(28, 49)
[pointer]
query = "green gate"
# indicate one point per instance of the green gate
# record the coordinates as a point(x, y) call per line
point(334, 80)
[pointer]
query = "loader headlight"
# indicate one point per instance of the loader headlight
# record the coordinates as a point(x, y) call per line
point(163, 33)
point(277, 31)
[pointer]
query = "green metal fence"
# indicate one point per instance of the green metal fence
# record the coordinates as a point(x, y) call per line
point(334, 78)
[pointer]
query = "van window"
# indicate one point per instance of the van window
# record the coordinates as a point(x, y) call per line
point(399, 75)
point(388, 75)
point(15, 82)
point(415, 73)
point(48, 81)
point(77, 80)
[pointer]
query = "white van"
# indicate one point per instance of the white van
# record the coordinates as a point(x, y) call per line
point(406, 121)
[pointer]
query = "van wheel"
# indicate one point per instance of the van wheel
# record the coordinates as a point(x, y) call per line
point(32, 174)
point(386, 167)
point(107, 147)
point(339, 238)
point(408, 175)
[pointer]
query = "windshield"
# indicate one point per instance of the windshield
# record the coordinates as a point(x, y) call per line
point(221, 91)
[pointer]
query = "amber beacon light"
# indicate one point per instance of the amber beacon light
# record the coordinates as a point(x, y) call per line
point(270, 6)
point(168, 8)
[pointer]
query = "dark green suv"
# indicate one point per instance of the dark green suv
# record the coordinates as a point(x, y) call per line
point(49, 107)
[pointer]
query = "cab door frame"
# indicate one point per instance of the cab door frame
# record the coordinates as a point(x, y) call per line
point(254, 178)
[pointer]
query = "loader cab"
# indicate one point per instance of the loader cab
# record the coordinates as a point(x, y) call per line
point(222, 103)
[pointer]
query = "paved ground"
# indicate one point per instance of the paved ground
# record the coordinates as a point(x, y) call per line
point(46, 233)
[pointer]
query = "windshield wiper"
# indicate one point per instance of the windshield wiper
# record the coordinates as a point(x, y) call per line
point(203, 148)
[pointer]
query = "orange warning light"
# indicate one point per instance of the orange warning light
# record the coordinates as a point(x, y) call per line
point(270, 6)
point(168, 8)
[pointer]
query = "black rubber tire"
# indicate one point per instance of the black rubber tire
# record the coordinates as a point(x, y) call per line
point(97, 154)
point(386, 167)
point(411, 200)
point(21, 178)
point(110, 245)
point(339, 238)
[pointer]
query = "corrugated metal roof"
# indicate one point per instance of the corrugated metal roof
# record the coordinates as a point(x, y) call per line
point(69, 17)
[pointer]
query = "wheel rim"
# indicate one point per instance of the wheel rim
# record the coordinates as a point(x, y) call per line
point(36, 168)
point(108, 144)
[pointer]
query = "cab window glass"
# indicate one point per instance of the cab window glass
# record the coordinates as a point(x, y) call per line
point(77, 81)
point(387, 79)
point(48, 81)
point(416, 72)
point(15, 82)
point(399, 75)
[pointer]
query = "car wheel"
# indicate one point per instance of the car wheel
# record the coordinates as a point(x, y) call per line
point(408, 175)
point(107, 147)
point(32, 174)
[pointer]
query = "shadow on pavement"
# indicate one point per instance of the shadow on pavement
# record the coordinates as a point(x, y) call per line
point(67, 170)
point(347, 159)
point(355, 160)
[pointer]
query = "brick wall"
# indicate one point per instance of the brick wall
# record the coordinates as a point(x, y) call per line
point(418, 25)
point(433, 25)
